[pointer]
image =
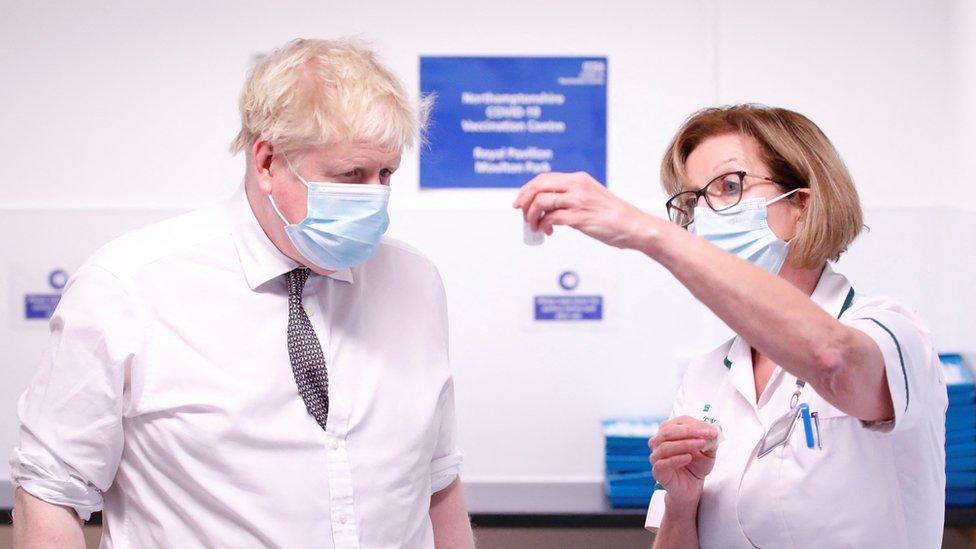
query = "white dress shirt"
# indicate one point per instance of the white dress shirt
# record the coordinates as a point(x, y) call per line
point(167, 398)
point(871, 485)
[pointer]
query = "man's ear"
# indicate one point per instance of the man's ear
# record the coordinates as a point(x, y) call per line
point(262, 156)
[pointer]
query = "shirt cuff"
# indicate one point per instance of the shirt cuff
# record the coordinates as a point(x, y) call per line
point(53, 484)
point(443, 471)
point(899, 386)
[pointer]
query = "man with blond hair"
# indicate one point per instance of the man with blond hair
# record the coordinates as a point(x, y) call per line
point(270, 372)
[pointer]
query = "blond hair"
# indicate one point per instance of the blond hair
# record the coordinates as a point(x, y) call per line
point(798, 155)
point(316, 92)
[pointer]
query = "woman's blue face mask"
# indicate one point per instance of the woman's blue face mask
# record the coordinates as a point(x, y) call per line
point(743, 230)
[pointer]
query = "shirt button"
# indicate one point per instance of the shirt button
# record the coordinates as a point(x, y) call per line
point(334, 444)
point(310, 312)
point(343, 518)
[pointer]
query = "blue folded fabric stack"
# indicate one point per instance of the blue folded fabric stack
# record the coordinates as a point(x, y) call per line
point(629, 482)
point(960, 432)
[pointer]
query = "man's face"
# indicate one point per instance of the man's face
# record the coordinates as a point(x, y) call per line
point(353, 163)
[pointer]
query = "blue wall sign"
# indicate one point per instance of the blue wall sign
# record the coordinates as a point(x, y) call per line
point(568, 306)
point(42, 306)
point(499, 121)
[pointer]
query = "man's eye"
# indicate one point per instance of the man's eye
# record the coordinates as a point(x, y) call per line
point(385, 172)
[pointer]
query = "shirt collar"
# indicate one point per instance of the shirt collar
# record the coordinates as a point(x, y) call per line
point(833, 293)
point(260, 259)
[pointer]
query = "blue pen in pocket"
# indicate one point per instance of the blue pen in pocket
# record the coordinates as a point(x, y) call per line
point(807, 424)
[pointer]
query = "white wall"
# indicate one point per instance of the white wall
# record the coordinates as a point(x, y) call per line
point(962, 36)
point(878, 77)
point(131, 106)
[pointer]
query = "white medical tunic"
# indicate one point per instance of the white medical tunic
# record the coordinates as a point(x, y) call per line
point(167, 398)
point(878, 485)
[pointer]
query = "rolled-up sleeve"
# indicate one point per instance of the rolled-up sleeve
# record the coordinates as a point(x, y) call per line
point(911, 367)
point(70, 440)
point(446, 462)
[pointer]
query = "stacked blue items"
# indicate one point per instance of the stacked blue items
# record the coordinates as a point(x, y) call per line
point(960, 432)
point(629, 482)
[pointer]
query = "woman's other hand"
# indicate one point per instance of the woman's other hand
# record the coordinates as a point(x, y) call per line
point(679, 461)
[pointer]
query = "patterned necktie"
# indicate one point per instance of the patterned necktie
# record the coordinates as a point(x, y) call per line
point(307, 360)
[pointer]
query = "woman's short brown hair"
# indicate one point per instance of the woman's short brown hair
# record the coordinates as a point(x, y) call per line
point(798, 155)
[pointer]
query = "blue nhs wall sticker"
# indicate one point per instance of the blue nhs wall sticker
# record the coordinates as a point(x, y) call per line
point(41, 306)
point(499, 121)
point(568, 306)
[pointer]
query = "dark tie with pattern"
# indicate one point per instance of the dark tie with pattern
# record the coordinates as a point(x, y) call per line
point(305, 352)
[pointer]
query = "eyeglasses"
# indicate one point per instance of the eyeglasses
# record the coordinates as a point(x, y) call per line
point(721, 193)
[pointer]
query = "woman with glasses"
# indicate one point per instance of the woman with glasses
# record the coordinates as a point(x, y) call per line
point(821, 423)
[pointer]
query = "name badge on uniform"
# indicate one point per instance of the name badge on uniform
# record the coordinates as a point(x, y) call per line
point(779, 432)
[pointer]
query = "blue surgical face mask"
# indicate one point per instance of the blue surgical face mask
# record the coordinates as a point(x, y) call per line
point(743, 231)
point(343, 225)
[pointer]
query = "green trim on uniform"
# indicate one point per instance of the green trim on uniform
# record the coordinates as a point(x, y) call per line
point(901, 359)
point(847, 302)
point(658, 486)
point(728, 363)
